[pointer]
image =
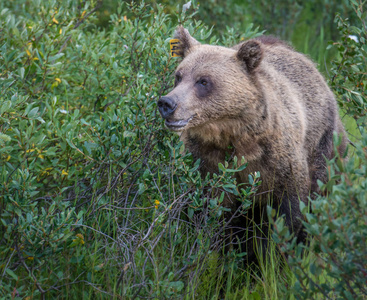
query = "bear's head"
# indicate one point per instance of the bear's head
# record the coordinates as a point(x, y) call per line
point(213, 85)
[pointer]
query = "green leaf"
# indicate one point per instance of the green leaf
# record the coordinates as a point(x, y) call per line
point(21, 72)
point(250, 179)
point(221, 197)
point(29, 218)
point(190, 212)
point(221, 167)
point(33, 112)
point(40, 119)
point(4, 137)
point(5, 107)
point(12, 274)
point(255, 296)
point(129, 134)
point(55, 57)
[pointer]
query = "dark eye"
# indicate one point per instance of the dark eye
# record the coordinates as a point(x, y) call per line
point(178, 79)
point(204, 87)
point(202, 82)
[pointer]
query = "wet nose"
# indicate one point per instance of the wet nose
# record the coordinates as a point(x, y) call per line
point(166, 107)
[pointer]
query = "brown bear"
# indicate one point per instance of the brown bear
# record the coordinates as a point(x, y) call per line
point(263, 101)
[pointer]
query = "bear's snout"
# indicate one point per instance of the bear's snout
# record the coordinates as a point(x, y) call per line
point(166, 107)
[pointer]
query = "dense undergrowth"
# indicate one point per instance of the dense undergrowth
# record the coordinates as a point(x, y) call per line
point(98, 200)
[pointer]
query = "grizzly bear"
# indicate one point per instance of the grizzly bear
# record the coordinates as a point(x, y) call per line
point(263, 101)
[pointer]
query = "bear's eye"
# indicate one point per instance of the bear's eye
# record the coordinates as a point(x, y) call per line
point(178, 79)
point(202, 82)
point(204, 86)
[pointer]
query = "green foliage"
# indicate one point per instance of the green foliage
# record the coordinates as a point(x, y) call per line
point(349, 77)
point(307, 25)
point(96, 197)
point(77, 116)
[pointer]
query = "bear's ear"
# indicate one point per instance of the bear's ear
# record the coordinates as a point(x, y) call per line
point(186, 40)
point(250, 53)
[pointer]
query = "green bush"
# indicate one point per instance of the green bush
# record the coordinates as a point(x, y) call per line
point(348, 72)
point(97, 198)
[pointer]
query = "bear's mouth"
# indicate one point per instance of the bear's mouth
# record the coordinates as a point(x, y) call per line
point(177, 125)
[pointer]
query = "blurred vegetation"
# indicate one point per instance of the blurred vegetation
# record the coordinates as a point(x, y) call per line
point(307, 25)
point(97, 199)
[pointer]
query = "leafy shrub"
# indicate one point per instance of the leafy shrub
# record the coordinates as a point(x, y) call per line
point(96, 197)
point(349, 77)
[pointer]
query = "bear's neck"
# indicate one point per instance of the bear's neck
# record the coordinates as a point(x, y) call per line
point(214, 143)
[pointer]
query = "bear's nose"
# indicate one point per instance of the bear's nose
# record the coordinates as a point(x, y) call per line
point(166, 107)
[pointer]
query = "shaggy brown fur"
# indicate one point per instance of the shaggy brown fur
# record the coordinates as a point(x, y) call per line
point(266, 101)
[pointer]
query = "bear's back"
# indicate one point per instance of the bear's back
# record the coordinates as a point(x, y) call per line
point(307, 91)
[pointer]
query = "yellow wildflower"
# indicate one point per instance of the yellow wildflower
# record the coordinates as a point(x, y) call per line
point(55, 21)
point(58, 80)
point(156, 203)
point(46, 171)
point(79, 239)
point(64, 173)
